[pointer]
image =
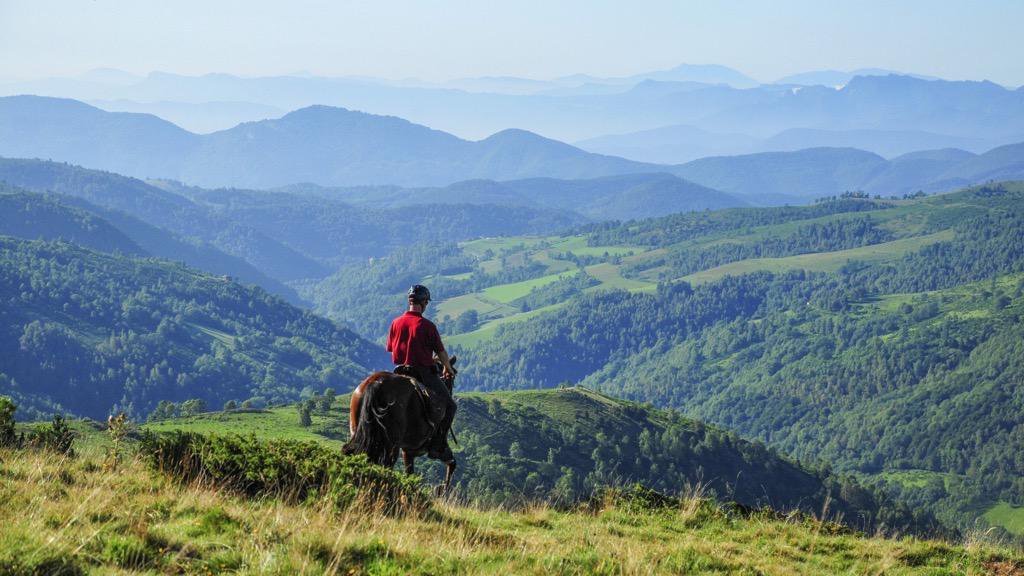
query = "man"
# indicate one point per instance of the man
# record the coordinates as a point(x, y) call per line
point(413, 341)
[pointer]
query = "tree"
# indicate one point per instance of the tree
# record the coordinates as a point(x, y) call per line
point(165, 410)
point(7, 409)
point(305, 414)
point(467, 321)
point(193, 407)
point(327, 400)
point(230, 406)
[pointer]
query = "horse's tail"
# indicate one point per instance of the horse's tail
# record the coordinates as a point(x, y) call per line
point(371, 436)
point(356, 401)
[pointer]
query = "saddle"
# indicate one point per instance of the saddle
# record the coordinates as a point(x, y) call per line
point(422, 391)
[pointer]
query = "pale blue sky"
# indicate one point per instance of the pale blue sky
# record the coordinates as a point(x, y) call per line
point(443, 39)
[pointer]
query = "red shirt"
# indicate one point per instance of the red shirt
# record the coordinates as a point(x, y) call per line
point(413, 339)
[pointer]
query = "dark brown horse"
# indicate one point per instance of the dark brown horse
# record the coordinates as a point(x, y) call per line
point(387, 414)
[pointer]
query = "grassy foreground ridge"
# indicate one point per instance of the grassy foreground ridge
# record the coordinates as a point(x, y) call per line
point(76, 517)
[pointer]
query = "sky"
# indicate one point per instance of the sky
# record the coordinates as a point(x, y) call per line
point(445, 39)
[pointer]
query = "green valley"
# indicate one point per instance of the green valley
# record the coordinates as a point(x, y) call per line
point(854, 322)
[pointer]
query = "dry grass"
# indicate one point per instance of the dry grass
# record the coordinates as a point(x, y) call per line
point(71, 515)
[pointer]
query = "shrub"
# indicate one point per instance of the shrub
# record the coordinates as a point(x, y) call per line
point(634, 498)
point(56, 436)
point(7, 435)
point(288, 469)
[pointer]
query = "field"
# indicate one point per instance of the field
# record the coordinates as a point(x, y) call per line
point(1006, 515)
point(821, 261)
point(273, 423)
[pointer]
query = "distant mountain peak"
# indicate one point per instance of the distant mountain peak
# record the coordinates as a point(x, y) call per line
point(520, 136)
point(322, 109)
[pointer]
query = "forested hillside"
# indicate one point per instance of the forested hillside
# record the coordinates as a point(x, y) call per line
point(884, 360)
point(32, 216)
point(87, 333)
point(620, 197)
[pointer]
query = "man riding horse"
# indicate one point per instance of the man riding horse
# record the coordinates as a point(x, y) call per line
point(411, 409)
point(413, 342)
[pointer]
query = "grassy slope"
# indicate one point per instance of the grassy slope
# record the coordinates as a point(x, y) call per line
point(1006, 515)
point(76, 516)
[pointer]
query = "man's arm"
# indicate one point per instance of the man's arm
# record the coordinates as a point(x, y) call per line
point(442, 355)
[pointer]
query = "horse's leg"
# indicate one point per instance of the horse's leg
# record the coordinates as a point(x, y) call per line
point(449, 472)
point(410, 462)
point(392, 456)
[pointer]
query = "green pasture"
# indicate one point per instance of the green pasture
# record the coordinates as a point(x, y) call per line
point(455, 307)
point(279, 423)
point(508, 292)
point(611, 277)
point(497, 245)
point(1007, 516)
point(821, 261)
point(578, 246)
point(487, 330)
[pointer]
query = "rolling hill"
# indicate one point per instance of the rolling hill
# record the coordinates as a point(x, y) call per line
point(623, 197)
point(269, 238)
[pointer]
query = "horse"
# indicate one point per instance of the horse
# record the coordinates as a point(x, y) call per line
point(388, 413)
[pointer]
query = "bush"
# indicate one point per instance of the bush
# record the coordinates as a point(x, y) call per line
point(305, 413)
point(7, 435)
point(56, 436)
point(288, 469)
point(634, 498)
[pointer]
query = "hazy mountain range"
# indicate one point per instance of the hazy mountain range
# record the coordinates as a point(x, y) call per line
point(715, 99)
point(335, 147)
point(673, 144)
